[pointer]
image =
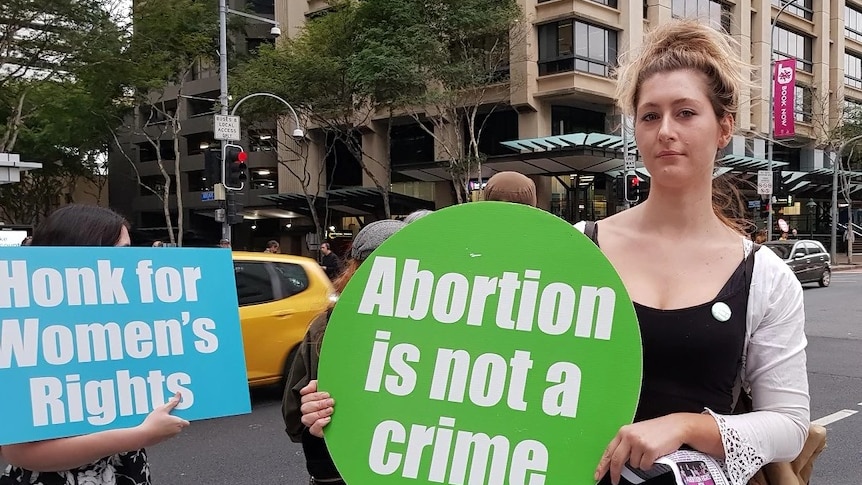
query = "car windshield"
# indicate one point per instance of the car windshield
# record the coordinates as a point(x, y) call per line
point(782, 250)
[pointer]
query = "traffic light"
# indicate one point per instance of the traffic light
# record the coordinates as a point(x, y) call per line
point(765, 209)
point(212, 167)
point(778, 188)
point(632, 187)
point(235, 173)
point(618, 184)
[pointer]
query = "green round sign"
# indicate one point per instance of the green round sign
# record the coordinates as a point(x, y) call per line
point(486, 343)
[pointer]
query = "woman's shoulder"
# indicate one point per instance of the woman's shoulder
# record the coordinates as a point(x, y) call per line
point(767, 262)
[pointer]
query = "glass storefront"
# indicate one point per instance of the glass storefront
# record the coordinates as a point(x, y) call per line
point(577, 197)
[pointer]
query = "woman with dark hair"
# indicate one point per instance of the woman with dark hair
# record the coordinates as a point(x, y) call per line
point(110, 457)
point(82, 225)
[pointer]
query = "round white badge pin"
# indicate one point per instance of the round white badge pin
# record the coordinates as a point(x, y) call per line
point(721, 311)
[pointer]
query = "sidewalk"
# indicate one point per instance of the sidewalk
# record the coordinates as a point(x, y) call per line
point(840, 263)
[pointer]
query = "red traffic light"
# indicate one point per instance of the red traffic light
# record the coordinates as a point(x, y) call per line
point(634, 181)
point(241, 157)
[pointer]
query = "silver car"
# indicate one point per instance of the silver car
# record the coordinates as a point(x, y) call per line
point(807, 258)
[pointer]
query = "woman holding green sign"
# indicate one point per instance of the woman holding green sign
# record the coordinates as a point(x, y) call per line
point(110, 457)
point(716, 313)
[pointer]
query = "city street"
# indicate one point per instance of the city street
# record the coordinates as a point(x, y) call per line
point(254, 448)
point(834, 328)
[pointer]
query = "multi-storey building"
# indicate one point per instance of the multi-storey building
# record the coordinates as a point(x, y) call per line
point(558, 123)
point(135, 176)
point(564, 89)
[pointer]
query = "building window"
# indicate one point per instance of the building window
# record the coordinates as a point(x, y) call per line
point(147, 151)
point(852, 23)
point(572, 45)
point(853, 70)
point(800, 8)
point(802, 98)
point(263, 178)
point(203, 104)
point(343, 169)
point(497, 127)
point(198, 181)
point(196, 143)
point(155, 184)
point(790, 45)
point(567, 119)
point(262, 140)
point(411, 144)
point(262, 7)
point(852, 108)
point(717, 13)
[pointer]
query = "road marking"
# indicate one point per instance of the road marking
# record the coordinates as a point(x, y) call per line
point(827, 420)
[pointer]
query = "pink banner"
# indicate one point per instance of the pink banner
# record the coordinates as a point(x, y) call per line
point(783, 105)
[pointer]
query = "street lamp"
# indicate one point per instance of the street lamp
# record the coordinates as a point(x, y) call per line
point(298, 134)
point(222, 70)
point(771, 100)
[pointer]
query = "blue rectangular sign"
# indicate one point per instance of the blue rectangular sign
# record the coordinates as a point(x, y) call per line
point(96, 338)
point(207, 195)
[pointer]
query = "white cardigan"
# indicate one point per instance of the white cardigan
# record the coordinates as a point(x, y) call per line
point(773, 370)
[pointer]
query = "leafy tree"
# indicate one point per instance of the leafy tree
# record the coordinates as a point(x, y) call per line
point(446, 64)
point(313, 72)
point(62, 72)
point(170, 38)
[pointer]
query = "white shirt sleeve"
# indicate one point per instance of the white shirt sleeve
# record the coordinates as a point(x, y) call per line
point(774, 370)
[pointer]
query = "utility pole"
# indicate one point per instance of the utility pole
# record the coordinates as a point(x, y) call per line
point(223, 101)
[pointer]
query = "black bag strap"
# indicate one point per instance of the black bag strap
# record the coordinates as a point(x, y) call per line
point(591, 230)
point(749, 267)
point(743, 402)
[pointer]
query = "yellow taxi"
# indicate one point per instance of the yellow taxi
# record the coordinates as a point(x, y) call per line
point(279, 296)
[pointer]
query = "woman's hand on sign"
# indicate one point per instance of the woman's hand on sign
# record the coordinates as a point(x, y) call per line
point(161, 424)
point(640, 444)
point(316, 408)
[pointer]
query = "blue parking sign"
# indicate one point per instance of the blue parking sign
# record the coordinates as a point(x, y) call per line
point(96, 338)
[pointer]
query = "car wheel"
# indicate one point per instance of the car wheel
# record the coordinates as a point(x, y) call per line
point(825, 278)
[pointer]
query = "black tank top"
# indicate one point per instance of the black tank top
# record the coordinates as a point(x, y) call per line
point(691, 356)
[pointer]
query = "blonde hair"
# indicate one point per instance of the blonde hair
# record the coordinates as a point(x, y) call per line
point(684, 44)
point(689, 44)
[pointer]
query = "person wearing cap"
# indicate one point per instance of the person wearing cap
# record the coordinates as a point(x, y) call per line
point(302, 378)
point(511, 187)
point(224, 243)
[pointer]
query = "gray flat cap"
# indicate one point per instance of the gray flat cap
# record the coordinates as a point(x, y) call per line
point(372, 236)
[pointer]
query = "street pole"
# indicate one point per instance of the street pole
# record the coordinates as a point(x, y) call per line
point(833, 212)
point(770, 136)
point(223, 99)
